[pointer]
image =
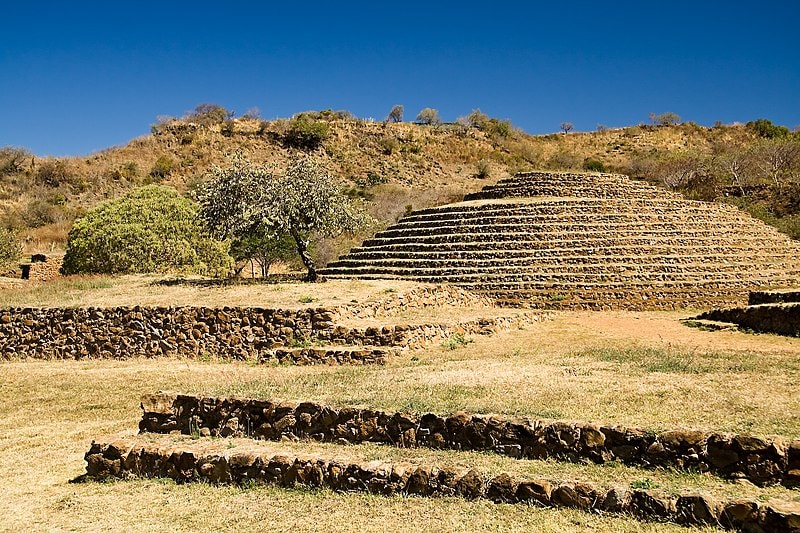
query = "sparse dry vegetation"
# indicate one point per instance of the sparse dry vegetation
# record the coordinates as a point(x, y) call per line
point(395, 163)
point(580, 365)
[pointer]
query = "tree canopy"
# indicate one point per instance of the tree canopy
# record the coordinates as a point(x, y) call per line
point(151, 229)
point(249, 200)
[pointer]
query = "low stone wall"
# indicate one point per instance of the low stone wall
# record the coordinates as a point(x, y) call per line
point(774, 297)
point(327, 356)
point(783, 319)
point(191, 462)
point(760, 460)
point(123, 332)
point(245, 333)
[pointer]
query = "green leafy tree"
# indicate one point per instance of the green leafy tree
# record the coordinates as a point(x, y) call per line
point(262, 249)
point(248, 200)
point(428, 116)
point(766, 129)
point(151, 229)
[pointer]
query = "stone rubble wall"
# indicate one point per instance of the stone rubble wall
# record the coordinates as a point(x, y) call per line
point(774, 297)
point(327, 356)
point(45, 270)
point(783, 319)
point(761, 460)
point(127, 458)
point(244, 333)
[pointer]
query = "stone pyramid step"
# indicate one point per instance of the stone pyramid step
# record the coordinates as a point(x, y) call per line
point(601, 234)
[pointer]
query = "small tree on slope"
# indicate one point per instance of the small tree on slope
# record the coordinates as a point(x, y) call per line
point(246, 200)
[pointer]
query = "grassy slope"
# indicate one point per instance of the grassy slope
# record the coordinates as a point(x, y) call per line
point(393, 165)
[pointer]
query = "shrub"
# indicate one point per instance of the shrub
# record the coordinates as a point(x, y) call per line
point(129, 171)
point(456, 340)
point(10, 247)
point(162, 168)
point(766, 129)
point(11, 159)
point(483, 169)
point(665, 119)
point(254, 113)
point(477, 119)
point(428, 116)
point(151, 229)
point(593, 165)
point(499, 128)
point(226, 130)
point(38, 213)
point(54, 173)
point(563, 161)
point(305, 132)
point(389, 145)
point(209, 114)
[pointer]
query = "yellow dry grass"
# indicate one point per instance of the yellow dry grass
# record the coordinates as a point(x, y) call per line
point(151, 290)
point(642, 369)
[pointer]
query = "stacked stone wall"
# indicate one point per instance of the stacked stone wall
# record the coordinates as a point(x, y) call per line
point(783, 319)
point(190, 461)
point(244, 333)
point(761, 460)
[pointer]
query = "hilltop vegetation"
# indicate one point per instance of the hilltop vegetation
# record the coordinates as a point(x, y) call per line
point(398, 166)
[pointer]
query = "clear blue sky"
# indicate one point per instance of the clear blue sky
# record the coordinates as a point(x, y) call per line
point(76, 77)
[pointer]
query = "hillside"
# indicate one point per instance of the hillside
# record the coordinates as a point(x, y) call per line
point(396, 166)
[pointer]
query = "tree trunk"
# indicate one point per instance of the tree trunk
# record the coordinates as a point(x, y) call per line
point(302, 249)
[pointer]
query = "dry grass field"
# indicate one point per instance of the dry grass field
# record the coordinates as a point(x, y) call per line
point(638, 369)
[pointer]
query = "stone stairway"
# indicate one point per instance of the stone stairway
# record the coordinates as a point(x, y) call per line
point(582, 241)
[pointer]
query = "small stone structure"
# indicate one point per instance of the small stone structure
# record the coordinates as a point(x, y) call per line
point(41, 267)
point(210, 461)
point(768, 312)
point(761, 460)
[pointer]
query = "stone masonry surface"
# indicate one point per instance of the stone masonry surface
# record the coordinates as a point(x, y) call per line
point(207, 461)
point(581, 241)
point(245, 333)
point(761, 460)
point(783, 319)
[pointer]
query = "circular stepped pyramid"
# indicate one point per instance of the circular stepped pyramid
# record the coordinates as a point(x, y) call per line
point(582, 241)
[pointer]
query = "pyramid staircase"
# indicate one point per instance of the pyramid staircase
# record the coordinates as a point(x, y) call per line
point(582, 241)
